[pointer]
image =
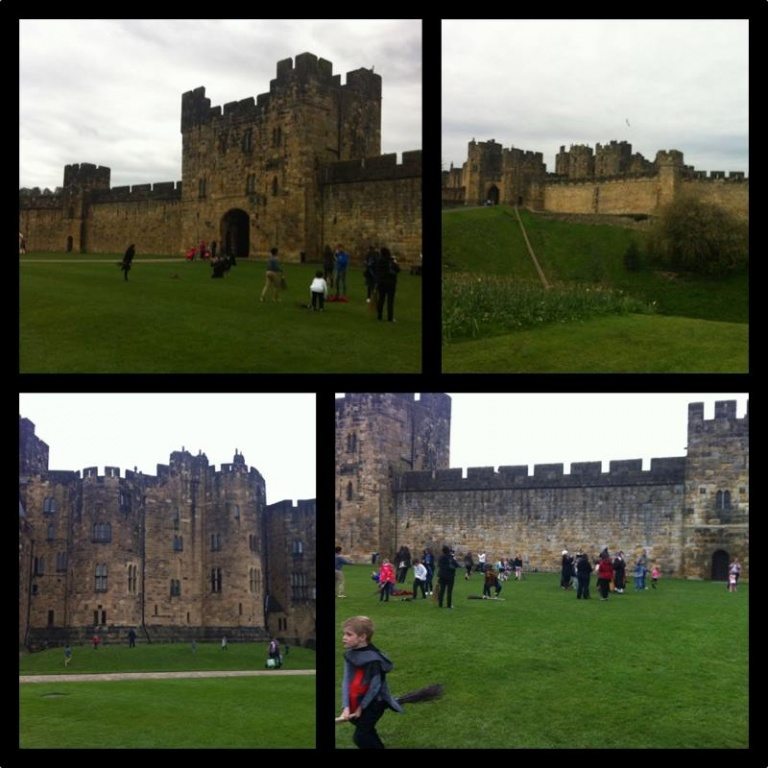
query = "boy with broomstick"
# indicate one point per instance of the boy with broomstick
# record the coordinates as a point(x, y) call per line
point(364, 691)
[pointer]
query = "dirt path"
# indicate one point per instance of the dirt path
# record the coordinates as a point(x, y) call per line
point(158, 675)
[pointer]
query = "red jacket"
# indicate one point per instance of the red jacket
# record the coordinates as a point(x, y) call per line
point(386, 573)
point(605, 570)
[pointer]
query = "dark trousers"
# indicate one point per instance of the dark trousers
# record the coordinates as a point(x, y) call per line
point(386, 591)
point(365, 736)
point(604, 587)
point(386, 292)
point(318, 299)
point(583, 586)
point(442, 587)
point(418, 584)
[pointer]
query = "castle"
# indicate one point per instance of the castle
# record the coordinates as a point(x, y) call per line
point(610, 179)
point(394, 487)
point(191, 553)
point(298, 168)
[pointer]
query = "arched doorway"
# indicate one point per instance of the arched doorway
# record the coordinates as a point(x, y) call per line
point(493, 195)
point(235, 234)
point(720, 565)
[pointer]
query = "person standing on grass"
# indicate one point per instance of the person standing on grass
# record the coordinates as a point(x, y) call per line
point(429, 564)
point(67, 654)
point(518, 566)
point(419, 579)
point(491, 580)
point(340, 562)
point(318, 290)
point(95, 641)
point(131, 638)
point(566, 570)
point(655, 575)
point(604, 576)
point(274, 277)
point(224, 643)
point(467, 565)
point(125, 264)
point(386, 283)
point(619, 571)
point(342, 262)
point(365, 695)
point(734, 569)
point(583, 573)
point(446, 573)
point(386, 580)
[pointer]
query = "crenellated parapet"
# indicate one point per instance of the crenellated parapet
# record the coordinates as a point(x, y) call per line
point(379, 168)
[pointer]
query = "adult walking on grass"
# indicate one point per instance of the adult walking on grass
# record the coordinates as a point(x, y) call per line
point(273, 283)
point(342, 262)
point(339, 564)
point(446, 574)
point(566, 570)
point(604, 576)
point(386, 283)
point(125, 264)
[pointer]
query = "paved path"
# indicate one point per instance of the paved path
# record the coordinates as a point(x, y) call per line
point(159, 675)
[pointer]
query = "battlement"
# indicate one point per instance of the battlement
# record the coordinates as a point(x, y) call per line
point(292, 74)
point(86, 176)
point(558, 179)
point(287, 507)
point(381, 167)
point(669, 157)
point(663, 471)
point(732, 177)
point(725, 420)
point(161, 190)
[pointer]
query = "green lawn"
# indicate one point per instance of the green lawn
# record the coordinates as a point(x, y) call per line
point(160, 657)
point(218, 712)
point(171, 317)
point(665, 668)
point(617, 344)
point(254, 712)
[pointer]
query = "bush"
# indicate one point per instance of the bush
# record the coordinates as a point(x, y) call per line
point(699, 237)
point(633, 261)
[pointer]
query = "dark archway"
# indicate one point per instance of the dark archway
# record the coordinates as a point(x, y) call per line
point(493, 194)
point(70, 243)
point(720, 565)
point(520, 201)
point(235, 234)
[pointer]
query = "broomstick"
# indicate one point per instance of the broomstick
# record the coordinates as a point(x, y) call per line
point(428, 693)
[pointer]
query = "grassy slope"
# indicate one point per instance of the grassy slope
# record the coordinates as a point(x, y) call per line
point(630, 344)
point(82, 317)
point(480, 240)
point(664, 668)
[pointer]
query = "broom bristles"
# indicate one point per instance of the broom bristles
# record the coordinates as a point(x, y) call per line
point(422, 694)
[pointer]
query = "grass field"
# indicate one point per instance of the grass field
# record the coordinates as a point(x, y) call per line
point(665, 668)
point(171, 317)
point(255, 712)
point(488, 241)
point(276, 712)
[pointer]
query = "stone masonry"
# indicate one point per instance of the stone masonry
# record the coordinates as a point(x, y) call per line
point(188, 553)
point(689, 512)
point(298, 167)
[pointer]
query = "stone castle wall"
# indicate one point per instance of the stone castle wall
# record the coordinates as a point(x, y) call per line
point(187, 553)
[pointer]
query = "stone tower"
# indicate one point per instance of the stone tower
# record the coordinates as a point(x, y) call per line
point(379, 436)
point(250, 170)
point(716, 514)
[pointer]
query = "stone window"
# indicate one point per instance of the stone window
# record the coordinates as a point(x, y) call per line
point(51, 532)
point(351, 443)
point(297, 548)
point(49, 505)
point(124, 502)
point(61, 562)
point(175, 588)
point(215, 579)
point(247, 143)
point(742, 491)
point(132, 579)
point(178, 543)
point(102, 533)
point(723, 500)
point(234, 510)
point(703, 491)
point(201, 188)
point(350, 492)
point(253, 542)
point(274, 187)
point(34, 590)
point(101, 577)
point(254, 580)
point(215, 542)
point(176, 520)
point(250, 184)
point(277, 136)
point(299, 586)
point(39, 566)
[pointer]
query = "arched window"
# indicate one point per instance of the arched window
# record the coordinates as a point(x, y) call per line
point(215, 579)
point(51, 532)
point(350, 491)
point(352, 443)
point(49, 505)
point(175, 588)
point(274, 187)
point(102, 533)
point(178, 543)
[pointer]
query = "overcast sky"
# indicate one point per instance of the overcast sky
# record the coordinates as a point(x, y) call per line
point(108, 92)
point(553, 428)
point(274, 432)
point(540, 84)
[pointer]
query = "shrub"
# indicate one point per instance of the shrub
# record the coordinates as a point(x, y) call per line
point(699, 237)
point(633, 261)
